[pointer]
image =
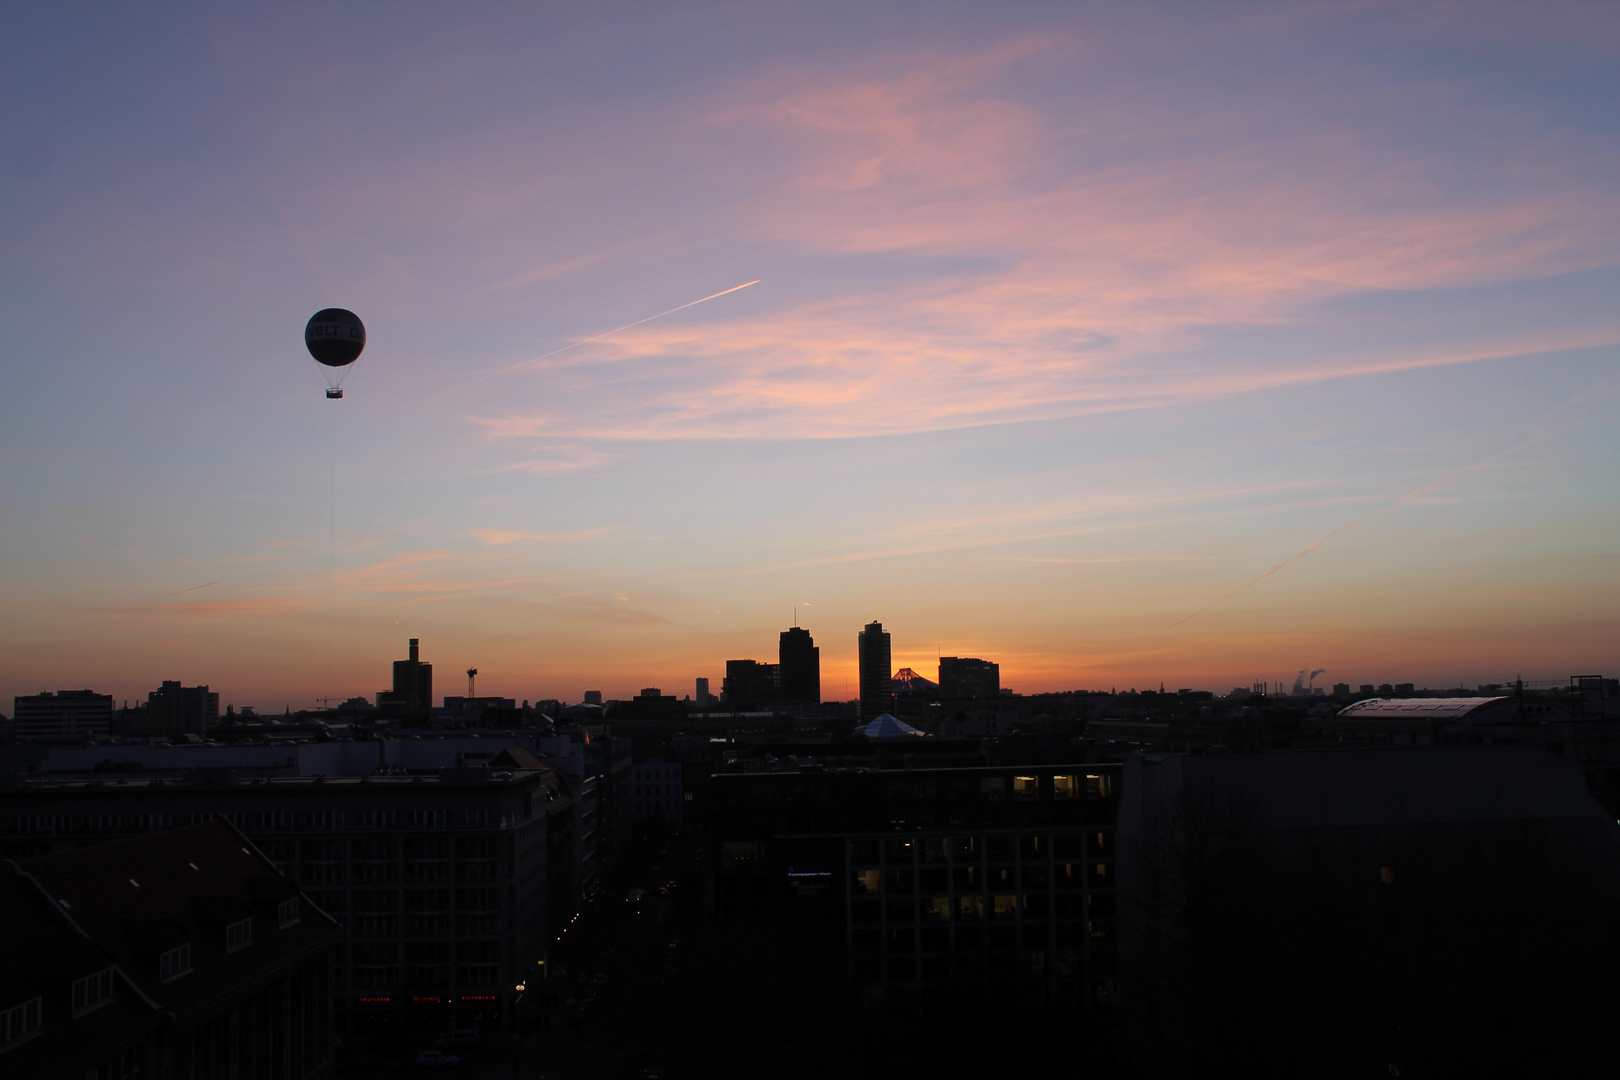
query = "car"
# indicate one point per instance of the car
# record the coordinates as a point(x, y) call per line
point(436, 1059)
point(460, 1039)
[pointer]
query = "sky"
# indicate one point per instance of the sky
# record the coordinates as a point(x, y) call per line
point(1120, 344)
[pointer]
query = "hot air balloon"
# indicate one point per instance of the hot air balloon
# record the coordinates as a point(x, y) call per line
point(335, 337)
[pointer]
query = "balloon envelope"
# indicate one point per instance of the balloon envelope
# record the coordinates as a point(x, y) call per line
point(335, 336)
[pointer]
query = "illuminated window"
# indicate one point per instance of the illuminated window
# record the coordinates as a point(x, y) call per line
point(1006, 906)
point(92, 991)
point(1099, 786)
point(934, 848)
point(937, 909)
point(174, 963)
point(238, 935)
point(1065, 787)
point(739, 851)
point(20, 1022)
point(865, 881)
point(1026, 788)
point(970, 907)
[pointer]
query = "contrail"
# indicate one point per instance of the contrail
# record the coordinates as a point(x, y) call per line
point(1547, 428)
point(177, 592)
point(574, 345)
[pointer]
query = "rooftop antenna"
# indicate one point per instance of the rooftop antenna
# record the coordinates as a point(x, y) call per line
point(472, 673)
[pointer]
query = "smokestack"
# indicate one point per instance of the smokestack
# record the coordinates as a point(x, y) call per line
point(413, 650)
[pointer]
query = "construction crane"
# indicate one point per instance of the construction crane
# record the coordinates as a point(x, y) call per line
point(472, 673)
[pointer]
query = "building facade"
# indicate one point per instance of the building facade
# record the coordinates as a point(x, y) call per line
point(64, 715)
point(968, 677)
point(185, 955)
point(873, 651)
point(800, 666)
point(173, 709)
point(440, 880)
point(931, 879)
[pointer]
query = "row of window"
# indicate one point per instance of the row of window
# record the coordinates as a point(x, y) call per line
point(995, 848)
point(387, 873)
point(972, 879)
point(292, 821)
point(92, 991)
point(979, 908)
point(19, 1022)
point(908, 939)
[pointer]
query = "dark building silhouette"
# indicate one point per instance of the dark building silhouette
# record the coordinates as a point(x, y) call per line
point(173, 709)
point(66, 714)
point(181, 954)
point(750, 684)
point(877, 692)
point(450, 883)
point(1434, 911)
point(800, 664)
point(412, 694)
point(950, 880)
point(968, 677)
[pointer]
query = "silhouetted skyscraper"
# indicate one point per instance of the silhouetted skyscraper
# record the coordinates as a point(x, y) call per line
point(173, 709)
point(750, 684)
point(877, 695)
point(413, 686)
point(968, 677)
point(800, 664)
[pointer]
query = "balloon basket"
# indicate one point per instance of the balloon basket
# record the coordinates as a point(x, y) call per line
point(334, 392)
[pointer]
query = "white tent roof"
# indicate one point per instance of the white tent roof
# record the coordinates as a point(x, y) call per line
point(887, 727)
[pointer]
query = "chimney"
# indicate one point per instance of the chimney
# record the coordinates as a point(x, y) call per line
point(413, 650)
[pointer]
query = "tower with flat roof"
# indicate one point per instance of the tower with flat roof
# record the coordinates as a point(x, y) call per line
point(800, 664)
point(875, 655)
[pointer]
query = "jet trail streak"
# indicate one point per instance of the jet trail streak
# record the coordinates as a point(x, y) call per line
point(575, 345)
point(177, 592)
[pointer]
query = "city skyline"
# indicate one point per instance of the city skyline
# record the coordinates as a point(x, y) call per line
point(1112, 345)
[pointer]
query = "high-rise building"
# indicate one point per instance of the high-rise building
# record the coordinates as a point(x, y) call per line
point(702, 697)
point(872, 648)
point(413, 686)
point(173, 709)
point(750, 684)
point(968, 677)
point(800, 666)
point(66, 714)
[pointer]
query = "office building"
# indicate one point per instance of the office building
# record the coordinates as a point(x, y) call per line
point(444, 880)
point(658, 789)
point(932, 879)
point(800, 664)
point(873, 653)
point(412, 693)
point(701, 697)
point(968, 677)
point(750, 684)
point(173, 710)
point(1431, 910)
point(65, 715)
point(181, 954)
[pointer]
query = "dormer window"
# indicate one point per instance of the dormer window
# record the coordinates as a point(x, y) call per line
point(92, 991)
point(18, 1023)
point(174, 963)
point(287, 913)
point(238, 935)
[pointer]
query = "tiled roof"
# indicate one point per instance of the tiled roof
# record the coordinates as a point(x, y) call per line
point(138, 897)
point(42, 952)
